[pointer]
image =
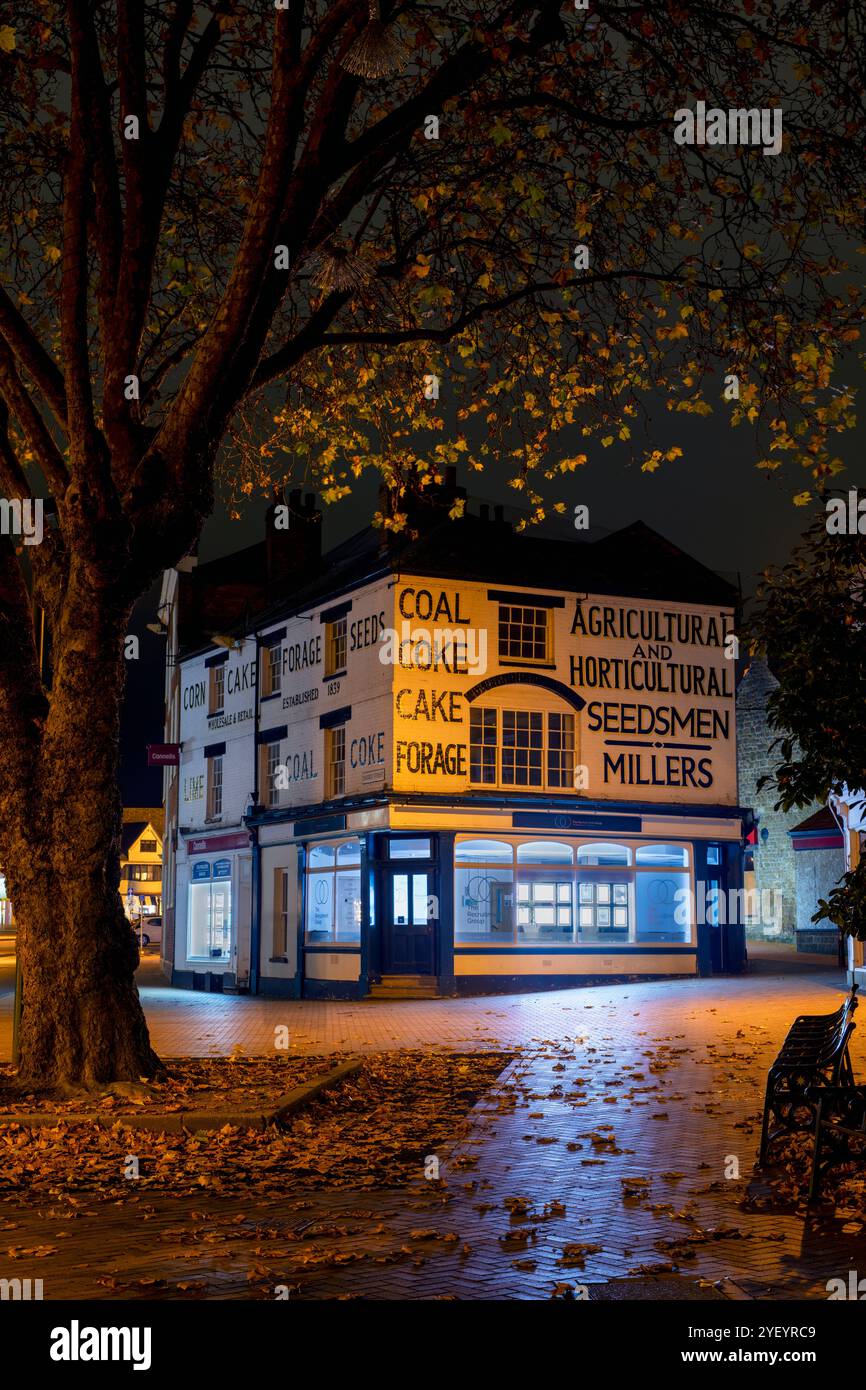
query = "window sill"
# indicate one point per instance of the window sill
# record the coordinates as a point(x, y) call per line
point(271, 695)
point(527, 661)
point(214, 713)
point(333, 675)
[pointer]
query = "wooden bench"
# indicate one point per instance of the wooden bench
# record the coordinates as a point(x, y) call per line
point(813, 1056)
point(840, 1124)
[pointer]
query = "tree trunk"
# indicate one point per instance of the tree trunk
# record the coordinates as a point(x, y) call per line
point(82, 1024)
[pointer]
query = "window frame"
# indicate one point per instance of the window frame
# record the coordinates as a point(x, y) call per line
point(335, 767)
point(216, 695)
point(487, 719)
point(506, 625)
point(336, 646)
point(215, 787)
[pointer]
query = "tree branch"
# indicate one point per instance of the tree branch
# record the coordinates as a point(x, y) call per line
point(33, 426)
point(32, 356)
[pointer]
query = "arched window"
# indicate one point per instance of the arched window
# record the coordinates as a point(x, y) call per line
point(603, 854)
point(663, 856)
point(483, 852)
point(545, 852)
point(321, 857)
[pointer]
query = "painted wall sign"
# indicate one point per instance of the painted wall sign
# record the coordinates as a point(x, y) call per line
point(633, 700)
point(200, 871)
point(194, 695)
point(300, 697)
point(368, 750)
point(193, 788)
point(222, 868)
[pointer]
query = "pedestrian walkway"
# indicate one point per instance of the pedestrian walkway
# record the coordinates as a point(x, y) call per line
point(183, 1023)
point(620, 1142)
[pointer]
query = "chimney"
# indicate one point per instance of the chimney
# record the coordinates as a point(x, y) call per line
point(485, 511)
point(293, 538)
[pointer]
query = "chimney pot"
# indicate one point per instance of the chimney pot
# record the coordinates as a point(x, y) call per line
point(498, 513)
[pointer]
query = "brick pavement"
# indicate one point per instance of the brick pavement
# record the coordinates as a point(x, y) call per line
point(655, 1085)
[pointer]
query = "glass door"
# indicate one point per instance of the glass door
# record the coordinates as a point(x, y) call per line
point(409, 935)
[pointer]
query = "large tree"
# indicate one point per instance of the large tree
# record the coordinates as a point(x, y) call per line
point(234, 236)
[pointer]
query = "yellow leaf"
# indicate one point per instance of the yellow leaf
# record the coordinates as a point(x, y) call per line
point(802, 499)
point(607, 441)
point(7, 38)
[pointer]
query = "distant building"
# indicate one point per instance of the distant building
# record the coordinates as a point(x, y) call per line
point(140, 869)
point(819, 863)
point(769, 870)
point(464, 760)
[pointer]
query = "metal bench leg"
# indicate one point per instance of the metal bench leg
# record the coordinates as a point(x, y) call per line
point(765, 1126)
point(815, 1174)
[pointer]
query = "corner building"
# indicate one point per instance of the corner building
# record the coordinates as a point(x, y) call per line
point(487, 761)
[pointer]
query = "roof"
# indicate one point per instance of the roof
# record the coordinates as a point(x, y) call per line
point(635, 562)
point(819, 820)
point(818, 831)
point(130, 832)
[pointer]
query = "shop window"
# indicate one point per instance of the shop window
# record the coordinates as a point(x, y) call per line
point(545, 908)
point(272, 669)
point(216, 689)
point(524, 633)
point(545, 852)
point(409, 849)
point(209, 933)
point(335, 646)
point(603, 854)
point(281, 914)
point(663, 907)
point(667, 856)
point(321, 857)
point(214, 788)
point(603, 910)
point(714, 854)
point(484, 904)
point(333, 894)
point(483, 851)
point(335, 760)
